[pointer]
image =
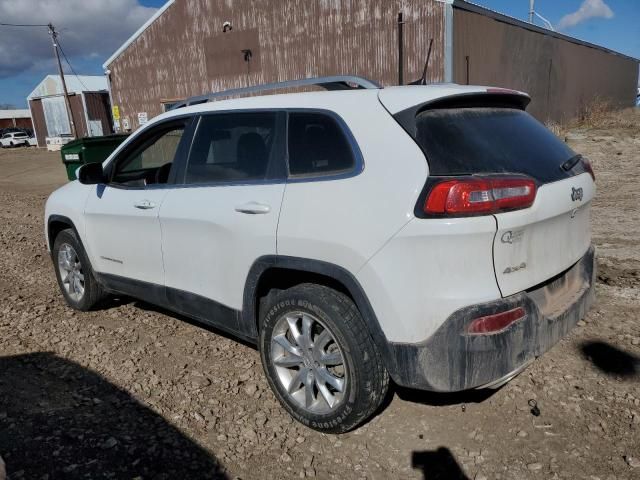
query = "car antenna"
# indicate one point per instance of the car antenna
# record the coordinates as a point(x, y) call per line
point(423, 80)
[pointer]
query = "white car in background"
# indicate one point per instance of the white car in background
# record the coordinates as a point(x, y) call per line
point(14, 139)
point(438, 236)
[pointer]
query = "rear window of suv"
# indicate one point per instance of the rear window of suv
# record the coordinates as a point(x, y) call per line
point(317, 145)
point(490, 140)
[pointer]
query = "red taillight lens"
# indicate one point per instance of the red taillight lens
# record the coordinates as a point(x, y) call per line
point(495, 323)
point(588, 168)
point(474, 195)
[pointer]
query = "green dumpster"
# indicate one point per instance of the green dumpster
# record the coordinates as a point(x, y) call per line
point(88, 150)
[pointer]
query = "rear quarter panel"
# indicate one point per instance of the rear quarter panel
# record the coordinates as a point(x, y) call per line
point(346, 221)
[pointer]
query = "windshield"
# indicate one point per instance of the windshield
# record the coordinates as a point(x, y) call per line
point(490, 140)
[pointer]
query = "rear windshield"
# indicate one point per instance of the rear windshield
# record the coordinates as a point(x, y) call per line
point(490, 140)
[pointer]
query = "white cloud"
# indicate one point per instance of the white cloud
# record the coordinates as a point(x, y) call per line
point(589, 9)
point(87, 29)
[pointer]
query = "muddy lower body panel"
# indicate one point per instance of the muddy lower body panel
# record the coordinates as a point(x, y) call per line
point(453, 360)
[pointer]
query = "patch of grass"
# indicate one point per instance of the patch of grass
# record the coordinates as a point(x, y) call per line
point(598, 114)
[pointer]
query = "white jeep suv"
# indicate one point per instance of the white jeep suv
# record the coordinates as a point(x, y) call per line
point(434, 235)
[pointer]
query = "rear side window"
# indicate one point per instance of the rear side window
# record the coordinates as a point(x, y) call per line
point(231, 147)
point(317, 145)
point(490, 140)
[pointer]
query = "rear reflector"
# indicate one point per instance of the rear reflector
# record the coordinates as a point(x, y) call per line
point(495, 323)
point(480, 195)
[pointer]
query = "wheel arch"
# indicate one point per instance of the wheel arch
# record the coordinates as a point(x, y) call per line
point(280, 272)
point(56, 224)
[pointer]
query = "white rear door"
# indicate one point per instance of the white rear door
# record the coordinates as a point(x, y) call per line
point(225, 215)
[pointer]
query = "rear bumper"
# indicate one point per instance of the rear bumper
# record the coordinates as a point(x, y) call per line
point(451, 360)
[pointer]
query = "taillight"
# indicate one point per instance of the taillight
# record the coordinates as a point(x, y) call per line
point(480, 195)
point(588, 168)
point(496, 322)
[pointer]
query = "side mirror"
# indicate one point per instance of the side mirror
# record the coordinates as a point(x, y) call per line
point(91, 174)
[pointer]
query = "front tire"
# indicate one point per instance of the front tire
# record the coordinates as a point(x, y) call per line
point(73, 272)
point(319, 358)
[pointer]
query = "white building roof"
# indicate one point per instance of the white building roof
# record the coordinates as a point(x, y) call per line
point(51, 85)
point(21, 113)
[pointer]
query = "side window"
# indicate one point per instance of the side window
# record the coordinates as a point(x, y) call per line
point(317, 145)
point(230, 147)
point(149, 160)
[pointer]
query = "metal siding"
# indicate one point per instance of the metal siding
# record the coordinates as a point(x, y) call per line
point(39, 124)
point(98, 108)
point(17, 123)
point(562, 77)
point(77, 110)
point(295, 39)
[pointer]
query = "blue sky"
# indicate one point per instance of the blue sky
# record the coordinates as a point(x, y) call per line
point(95, 28)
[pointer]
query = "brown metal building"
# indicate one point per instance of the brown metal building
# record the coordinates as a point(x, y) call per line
point(89, 100)
point(186, 50)
point(15, 119)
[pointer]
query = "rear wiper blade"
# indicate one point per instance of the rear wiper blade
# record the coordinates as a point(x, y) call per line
point(572, 162)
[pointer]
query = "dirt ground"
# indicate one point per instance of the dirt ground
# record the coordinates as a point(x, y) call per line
point(132, 392)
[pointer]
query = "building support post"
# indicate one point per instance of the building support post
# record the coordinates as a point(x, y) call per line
point(448, 41)
point(400, 49)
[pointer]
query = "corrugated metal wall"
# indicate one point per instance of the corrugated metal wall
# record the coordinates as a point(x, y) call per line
point(77, 107)
point(77, 110)
point(184, 52)
point(39, 125)
point(17, 123)
point(562, 77)
point(98, 108)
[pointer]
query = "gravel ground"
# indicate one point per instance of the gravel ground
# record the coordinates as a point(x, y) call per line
point(134, 392)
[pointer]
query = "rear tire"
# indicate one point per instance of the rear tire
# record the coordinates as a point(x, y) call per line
point(319, 358)
point(74, 273)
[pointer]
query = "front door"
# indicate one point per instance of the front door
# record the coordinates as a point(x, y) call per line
point(122, 228)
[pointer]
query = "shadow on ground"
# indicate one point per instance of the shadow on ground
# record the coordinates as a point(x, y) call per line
point(149, 307)
point(611, 360)
point(437, 464)
point(61, 420)
point(438, 399)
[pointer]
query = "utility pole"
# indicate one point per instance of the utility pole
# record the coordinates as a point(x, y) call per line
point(532, 10)
point(54, 36)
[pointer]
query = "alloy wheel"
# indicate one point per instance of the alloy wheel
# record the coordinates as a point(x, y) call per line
point(71, 274)
point(309, 362)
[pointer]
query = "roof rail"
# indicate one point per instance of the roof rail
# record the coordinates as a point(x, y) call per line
point(337, 82)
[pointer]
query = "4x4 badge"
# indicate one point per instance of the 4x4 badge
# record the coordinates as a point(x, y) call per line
point(576, 194)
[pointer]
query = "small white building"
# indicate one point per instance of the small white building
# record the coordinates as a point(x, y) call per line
point(89, 99)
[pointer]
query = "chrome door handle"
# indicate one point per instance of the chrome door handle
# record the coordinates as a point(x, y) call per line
point(144, 205)
point(253, 208)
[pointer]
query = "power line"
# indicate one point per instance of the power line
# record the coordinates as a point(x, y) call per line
point(69, 63)
point(23, 25)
